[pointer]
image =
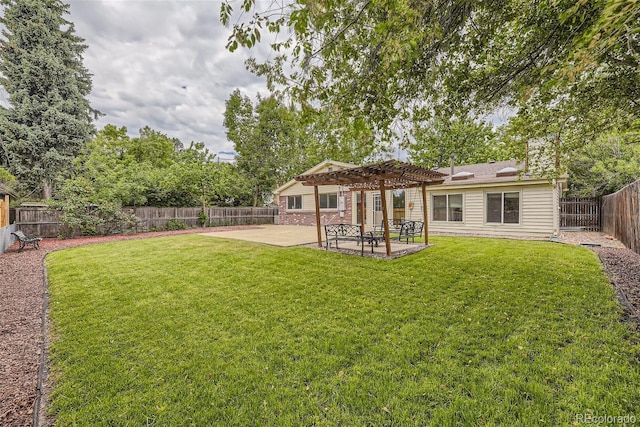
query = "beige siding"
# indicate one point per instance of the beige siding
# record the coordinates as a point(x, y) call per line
point(538, 216)
point(538, 209)
point(539, 204)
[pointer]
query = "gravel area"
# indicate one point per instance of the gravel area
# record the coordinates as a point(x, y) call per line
point(23, 301)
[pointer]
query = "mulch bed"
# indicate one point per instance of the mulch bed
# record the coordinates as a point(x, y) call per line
point(22, 301)
point(623, 268)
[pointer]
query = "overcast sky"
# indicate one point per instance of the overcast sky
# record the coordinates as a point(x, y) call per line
point(162, 63)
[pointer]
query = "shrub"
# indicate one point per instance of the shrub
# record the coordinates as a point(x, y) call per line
point(174, 224)
point(202, 218)
point(115, 220)
point(81, 216)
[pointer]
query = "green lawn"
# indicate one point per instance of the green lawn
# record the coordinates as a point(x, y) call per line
point(194, 330)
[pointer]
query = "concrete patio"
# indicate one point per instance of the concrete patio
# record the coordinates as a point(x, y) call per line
point(292, 235)
point(277, 235)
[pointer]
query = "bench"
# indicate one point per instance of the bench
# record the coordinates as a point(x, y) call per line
point(410, 229)
point(27, 240)
point(348, 232)
point(394, 227)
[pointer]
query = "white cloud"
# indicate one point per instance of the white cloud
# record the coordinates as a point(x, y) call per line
point(162, 64)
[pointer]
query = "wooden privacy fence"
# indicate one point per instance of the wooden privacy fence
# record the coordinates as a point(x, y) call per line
point(580, 213)
point(46, 222)
point(157, 218)
point(621, 215)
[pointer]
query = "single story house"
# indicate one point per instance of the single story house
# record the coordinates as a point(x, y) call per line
point(495, 199)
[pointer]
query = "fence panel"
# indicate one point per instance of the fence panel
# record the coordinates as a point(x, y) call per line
point(581, 213)
point(40, 221)
point(45, 222)
point(621, 215)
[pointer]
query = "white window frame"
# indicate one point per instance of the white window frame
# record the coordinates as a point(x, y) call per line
point(502, 194)
point(294, 208)
point(447, 207)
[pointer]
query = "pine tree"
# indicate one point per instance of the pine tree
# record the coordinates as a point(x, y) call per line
point(49, 118)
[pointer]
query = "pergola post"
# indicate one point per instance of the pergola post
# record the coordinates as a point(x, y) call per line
point(385, 217)
point(318, 228)
point(362, 210)
point(425, 214)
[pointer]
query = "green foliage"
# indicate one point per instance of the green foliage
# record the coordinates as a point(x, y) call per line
point(398, 65)
point(592, 138)
point(78, 213)
point(202, 218)
point(156, 170)
point(203, 331)
point(115, 220)
point(174, 224)
point(6, 178)
point(466, 140)
point(265, 138)
point(41, 69)
point(326, 134)
point(275, 142)
point(606, 164)
point(82, 213)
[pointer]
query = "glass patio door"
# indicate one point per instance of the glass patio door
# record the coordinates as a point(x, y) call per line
point(377, 209)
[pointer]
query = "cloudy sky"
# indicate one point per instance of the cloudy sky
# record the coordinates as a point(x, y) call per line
point(163, 63)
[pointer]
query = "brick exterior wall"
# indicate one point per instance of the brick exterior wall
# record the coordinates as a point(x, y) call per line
point(308, 217)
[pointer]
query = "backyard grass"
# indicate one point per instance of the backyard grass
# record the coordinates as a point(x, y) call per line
point(195, 330)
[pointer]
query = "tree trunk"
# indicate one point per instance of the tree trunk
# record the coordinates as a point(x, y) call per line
point(47, 189)
point(256, 195)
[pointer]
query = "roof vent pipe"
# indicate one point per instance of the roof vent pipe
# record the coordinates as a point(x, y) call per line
point(453, 169)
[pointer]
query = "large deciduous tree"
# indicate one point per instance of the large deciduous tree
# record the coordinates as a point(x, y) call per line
point(390, 63)
point(49, 118)
point(154, 170)
point(265, 138)
point(463, 139)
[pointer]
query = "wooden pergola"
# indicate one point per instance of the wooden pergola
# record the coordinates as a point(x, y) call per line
point(389, 175)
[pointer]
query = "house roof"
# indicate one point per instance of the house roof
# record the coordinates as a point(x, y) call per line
point(5, 190)
point(395, 174)
point(316, 169)
point(492, 172)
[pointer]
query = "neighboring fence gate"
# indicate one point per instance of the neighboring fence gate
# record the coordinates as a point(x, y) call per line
point(580, 213)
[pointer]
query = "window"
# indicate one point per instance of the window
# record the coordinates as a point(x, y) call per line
point(294, 202)
point(447, 207)
point(398, 199)
point(398, 206)
point(328, 201)
point(503, 208)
